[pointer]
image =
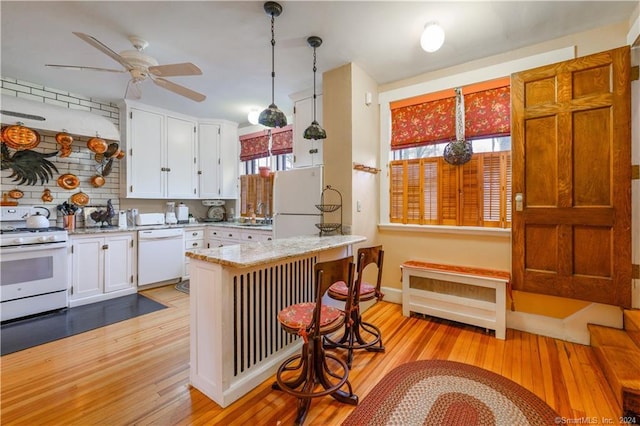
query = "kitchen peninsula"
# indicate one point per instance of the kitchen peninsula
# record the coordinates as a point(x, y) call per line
point(236, 293)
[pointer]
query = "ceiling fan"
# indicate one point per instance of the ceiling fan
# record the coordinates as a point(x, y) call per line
point(141, 67)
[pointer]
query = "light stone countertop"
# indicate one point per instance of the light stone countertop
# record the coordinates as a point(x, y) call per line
point(254, 254)
point(114, 229)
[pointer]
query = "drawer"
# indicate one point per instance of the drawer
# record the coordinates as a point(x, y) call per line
point(222, 233)
point(193, 244)
point(195, 234)
point(253, 236)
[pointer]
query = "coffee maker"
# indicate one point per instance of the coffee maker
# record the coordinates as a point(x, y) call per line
point(170, 214)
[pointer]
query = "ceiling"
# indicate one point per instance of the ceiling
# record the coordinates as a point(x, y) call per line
point(230, 42)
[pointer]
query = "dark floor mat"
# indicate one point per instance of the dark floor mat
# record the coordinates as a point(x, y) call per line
point(23, 334)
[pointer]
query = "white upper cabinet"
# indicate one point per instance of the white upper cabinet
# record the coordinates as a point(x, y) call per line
point(161, 153)
point(218, 159)
point(306, 152)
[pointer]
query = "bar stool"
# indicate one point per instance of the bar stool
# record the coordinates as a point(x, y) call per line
point(357, 333)
point(301, 374)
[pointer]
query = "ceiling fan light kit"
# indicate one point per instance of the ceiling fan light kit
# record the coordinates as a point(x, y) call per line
point(141, 66)
point(314, 131)
point(272, 116)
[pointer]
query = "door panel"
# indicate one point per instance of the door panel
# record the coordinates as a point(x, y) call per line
point(572, 163)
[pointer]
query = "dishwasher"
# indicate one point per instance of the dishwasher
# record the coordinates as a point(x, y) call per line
point(160, 255)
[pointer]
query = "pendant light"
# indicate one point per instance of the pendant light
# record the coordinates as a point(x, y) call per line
point(272, 116)
point(314, 131)
point(458, 152)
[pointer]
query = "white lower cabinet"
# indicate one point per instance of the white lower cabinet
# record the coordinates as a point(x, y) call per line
point(193, 239)
point(218, 236)
point(102, 267)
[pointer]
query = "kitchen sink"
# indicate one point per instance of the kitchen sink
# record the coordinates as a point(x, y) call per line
point(253, 224)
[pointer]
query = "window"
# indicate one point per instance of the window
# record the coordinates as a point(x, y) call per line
point(272, 148)
point(425, 190)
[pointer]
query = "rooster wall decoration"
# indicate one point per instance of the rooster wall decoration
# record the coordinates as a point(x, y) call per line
point(28, 165)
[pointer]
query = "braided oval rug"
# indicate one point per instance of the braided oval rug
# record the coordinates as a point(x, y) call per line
point(438, 392)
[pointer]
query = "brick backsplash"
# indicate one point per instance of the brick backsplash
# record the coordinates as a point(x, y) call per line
point(80, 162)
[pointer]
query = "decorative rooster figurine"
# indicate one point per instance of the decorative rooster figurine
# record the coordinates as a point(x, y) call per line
point(104, 216)
point(28, 165)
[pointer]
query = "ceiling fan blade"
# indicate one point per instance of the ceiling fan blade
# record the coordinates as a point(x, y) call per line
point(180, 90)
point(173, 70)
point(103, 48)
point(81, 68)
point(134, 91)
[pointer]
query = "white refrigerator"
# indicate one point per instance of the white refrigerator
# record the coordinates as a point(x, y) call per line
point(295, 195)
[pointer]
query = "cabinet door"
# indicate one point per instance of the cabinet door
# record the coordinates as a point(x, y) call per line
point(118, 261)
point(208, 158)
point(229, 161)
point(146, 155)
point(306, 152)
point(87, 267)
point(181, 158)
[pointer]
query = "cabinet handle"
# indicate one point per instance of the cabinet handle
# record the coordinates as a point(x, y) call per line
point(249, 237)
point(269, 239)
point(194, 233)
point(194, 245)
point(231, 235)
point(168, 169)
point(106, 246)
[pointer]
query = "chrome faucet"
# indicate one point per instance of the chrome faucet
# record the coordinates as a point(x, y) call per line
point(259, 208)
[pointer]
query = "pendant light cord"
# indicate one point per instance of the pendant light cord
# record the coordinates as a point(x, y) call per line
point(273, 59)
point(314, 84)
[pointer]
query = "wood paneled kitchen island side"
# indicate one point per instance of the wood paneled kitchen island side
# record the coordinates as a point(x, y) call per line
point(236, 293)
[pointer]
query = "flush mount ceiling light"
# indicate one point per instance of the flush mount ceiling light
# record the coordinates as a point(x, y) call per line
point(272, 116)
point(314, 131)
point(432, 37)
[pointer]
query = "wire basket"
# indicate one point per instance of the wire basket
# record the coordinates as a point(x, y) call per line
point(328, 207)
point(328, 227)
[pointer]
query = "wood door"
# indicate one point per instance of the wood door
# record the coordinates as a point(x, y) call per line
point(571, 135)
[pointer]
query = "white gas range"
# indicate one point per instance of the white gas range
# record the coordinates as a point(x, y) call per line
point(34, 263)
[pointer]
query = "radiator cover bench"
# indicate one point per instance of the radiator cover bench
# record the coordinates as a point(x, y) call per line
point(469, 295)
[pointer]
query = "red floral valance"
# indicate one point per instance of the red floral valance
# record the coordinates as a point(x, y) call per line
point(256, 145)
point(487, 114)
point(282, 142)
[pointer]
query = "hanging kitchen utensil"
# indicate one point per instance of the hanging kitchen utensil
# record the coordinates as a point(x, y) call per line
point(112, 150)
point(19, 137)
point(46, 196)
point(107, 168)
point(16, 194)
point(6, 202)
point(80, 198)
point(458, 152)
point(68, 181)
point(97, 181)
point(99, 158)
point(64, 139)
point(65, 151)
point(97, 145)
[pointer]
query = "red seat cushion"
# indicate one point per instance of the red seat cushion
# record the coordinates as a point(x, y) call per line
point(340, 288)
point(300, 315)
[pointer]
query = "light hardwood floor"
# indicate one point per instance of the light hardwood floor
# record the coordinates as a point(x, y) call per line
point(137, 372)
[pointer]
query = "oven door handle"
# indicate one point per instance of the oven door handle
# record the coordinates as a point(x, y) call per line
point(34, 247)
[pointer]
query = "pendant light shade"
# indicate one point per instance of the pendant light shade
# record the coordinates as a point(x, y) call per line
point(272, 116)
point(314, 131)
